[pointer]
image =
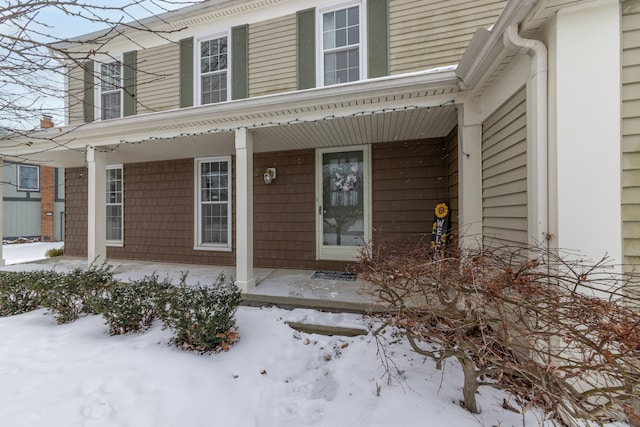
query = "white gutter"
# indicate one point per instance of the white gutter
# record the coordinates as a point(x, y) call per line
point(537, 186)
point(486, 45)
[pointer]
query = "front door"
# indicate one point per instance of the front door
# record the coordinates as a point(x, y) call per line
point(343, 202)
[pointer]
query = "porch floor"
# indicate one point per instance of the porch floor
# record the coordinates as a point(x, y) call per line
point(285, 288)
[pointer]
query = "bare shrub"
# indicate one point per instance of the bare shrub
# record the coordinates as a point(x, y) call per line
point(555, 331)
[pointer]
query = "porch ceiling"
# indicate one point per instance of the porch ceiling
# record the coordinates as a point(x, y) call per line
point(418, 123)
point(412, 106)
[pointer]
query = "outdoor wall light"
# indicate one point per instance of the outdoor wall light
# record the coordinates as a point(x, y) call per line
point(269, 175)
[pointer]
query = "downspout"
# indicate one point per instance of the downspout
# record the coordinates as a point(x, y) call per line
point(537, 179)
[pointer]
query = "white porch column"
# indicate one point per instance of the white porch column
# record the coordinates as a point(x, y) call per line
point(97, 206)
point(244, 210)
point(588, 127)
point(470, 175)
point(1, 211)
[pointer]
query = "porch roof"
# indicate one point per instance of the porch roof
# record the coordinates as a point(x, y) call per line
point(402, 107)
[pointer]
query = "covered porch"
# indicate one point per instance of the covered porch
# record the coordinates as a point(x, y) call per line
point(393, 110)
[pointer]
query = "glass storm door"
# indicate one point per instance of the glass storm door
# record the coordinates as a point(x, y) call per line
point(343, 202)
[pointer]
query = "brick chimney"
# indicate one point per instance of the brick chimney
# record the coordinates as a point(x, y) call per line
point(46, 122)
point(47, 193)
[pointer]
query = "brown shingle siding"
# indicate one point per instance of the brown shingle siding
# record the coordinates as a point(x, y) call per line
point(409, 178)
point(284, 212)
point(75, 207)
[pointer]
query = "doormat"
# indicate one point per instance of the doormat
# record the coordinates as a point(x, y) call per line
point(334, 275)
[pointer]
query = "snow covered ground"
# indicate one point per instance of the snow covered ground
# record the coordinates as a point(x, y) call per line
point(77, 375)
point(26, 252)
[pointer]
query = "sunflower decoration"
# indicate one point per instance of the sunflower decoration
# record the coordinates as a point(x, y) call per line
point(442, 210)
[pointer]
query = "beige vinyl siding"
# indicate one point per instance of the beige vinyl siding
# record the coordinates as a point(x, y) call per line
point(272, 56)
point(631, 132)
point(75, 95)
point(504, 173)
point(158, 78)
point(431, 33)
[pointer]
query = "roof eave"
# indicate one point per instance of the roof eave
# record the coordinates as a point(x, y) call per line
point(486, 46)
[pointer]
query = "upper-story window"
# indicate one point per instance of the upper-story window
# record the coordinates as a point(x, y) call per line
point(28, 178)
point(213, 81)
point(341, 45)
point(110, 90)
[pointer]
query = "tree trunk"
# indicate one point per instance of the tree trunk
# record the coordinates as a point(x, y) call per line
point(470, 383)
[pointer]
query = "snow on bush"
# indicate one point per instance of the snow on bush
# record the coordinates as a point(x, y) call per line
point(67, 295)
point(130, 307)
point(16, 293)
point(202, 317)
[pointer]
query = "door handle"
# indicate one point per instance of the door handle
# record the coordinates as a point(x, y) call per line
point(320, 210)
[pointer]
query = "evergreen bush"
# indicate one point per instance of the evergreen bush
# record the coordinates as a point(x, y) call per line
point(17, 294)
point(53, 252)
point(202, 317)
point(130, 307)
point(68, 295)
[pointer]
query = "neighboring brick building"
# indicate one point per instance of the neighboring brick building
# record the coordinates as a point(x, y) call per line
point(33, 202)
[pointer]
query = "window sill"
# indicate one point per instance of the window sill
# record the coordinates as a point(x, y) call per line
point(212, 248)
point(114, 244)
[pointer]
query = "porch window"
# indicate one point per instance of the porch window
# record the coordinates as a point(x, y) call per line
point(213, 58)
point(114, 205)
point(213, 203)
point(28, 178)
point(110, 90)
point(341, 45)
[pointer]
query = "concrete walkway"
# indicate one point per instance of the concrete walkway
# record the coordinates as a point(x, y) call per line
point(280, 287)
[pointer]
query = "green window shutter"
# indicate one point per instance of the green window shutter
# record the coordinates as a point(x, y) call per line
point(378, 38)
point(129, 60)
point(186, 72)
point(239, 62)
point(89, 101)
point(306, 45)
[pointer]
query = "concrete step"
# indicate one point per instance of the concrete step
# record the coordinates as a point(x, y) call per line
point(328, 330)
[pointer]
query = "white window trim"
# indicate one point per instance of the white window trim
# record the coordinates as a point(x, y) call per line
point(117, 243)
point(197, 211)
point(197, 95)
point(18, 180)
point(97, 78)
point(320, 41)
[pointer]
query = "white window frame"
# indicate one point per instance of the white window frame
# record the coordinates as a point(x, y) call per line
point(197, 211)
point(19, 181)
point(116, 243)
point(197, 83)
point(98, 86)
point(320, 40)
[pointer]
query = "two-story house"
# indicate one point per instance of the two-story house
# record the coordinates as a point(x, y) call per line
point(285, 133)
